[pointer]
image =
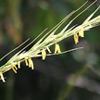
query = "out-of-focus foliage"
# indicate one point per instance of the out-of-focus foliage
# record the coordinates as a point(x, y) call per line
point(72, 76)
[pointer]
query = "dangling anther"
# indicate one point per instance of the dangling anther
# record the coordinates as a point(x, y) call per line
point(2, 77)
point(31, 63)
point(76, 38)
point(26, 61)
point(43, 54)
point(57, 48)
point(13, 68)
point(81, 32)
point(18, 64)
point(48, 49)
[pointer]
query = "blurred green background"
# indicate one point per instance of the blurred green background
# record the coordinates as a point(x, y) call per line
point(72, 76)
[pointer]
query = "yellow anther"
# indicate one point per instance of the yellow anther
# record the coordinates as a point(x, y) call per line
point(18, 64)
point(13, 68)
point(76, 38)
point(48, 49)
point(57, 48)
point(81, 32)
point(2, 77)
point(26, 62)
point(31, 63)
point(43, 54)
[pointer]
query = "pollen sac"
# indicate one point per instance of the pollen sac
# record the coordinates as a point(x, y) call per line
point(2, 77)
point(18, 64)
point(76, 38)
point(81, 33)
point(48, 50)
point(43, 54)
point(26, 61)
point(31, 63)
point(57, 48)
point(14, 68)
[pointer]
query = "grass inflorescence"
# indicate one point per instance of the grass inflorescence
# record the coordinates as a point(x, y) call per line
point(41, 48)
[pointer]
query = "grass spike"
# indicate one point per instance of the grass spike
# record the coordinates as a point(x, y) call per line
point(49, 39)
point(14, 49)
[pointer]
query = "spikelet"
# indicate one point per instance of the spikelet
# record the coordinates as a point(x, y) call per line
point(43, 54)
point(2, 77)
point(57, 49)
point(76, 37)
point(31, 63)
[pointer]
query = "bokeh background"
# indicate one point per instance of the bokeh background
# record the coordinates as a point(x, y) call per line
point(72, 76)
